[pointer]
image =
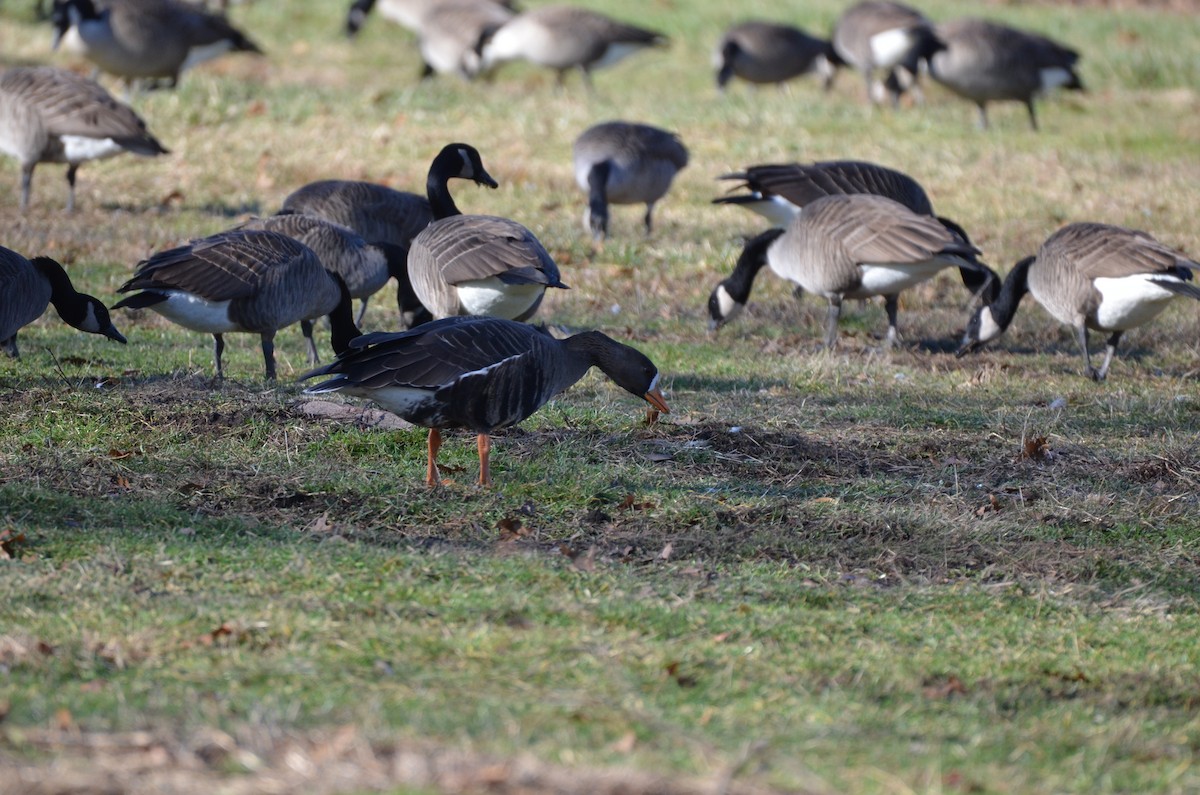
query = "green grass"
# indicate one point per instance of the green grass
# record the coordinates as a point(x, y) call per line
point(853, 571)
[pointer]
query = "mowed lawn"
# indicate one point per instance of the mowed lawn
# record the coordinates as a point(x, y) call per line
point(850, 572)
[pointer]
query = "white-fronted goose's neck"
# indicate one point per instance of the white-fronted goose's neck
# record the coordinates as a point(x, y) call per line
point(881, 35)
point(986, 62)
point(27, 287)
point(450, 34)
point(51, 115)
point(768, 52)
point(365, 267)
point(620, 162)
point(243, 280)
point(383, 216)
point(1090, 276)
point(154, 40)
point(479, 373)
point(476, 264)
point(859, 246)
point(564, 37)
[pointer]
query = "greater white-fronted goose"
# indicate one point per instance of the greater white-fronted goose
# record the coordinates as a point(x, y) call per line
point(619, 162)
point(881, 35)
point(476, 264)
point(365, 267)
point(51, 115)
point(450, 33)
point(154, 40)
point(859, 246)
point(383, 216)
point(1090, 276)
point(564, 37)
point(478, 373)
point(27, 287)
point(987, 62)
point(242, 280)
point(769, 52)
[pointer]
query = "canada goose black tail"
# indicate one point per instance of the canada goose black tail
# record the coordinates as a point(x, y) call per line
point(1180, 287)
point(141, 300)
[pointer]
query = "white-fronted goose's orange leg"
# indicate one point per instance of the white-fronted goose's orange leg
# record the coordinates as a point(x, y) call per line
point(435, 444)
point(485, 449)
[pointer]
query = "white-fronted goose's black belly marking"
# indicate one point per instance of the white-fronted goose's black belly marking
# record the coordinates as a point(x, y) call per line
point(766, 52)
point(27, 287)
point(245, 281)
point(478, 373)
point(620, 162)
point(51, 115)
point(1090, 276)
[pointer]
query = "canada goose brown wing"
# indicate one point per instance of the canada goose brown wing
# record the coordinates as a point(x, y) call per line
point(611, 30)
point(378, 213)
point(1098, 251)
point(469, 247)
point(802, 184)
point(876, 229)
point(225, 266)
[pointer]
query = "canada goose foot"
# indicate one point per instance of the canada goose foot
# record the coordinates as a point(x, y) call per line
point(1094, 374)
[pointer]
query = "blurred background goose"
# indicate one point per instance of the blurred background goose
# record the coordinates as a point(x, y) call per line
point(27, 287)
point(152, 40)
point(479, 373)
point(859, 246)
point(889, 37)
point(450, 34)
point(563, 37)
point(986, 62)
point(1090, 276)
point(247, 281)
point(621, 162)
point(51, 115)
point(768, 52)
point(408, 14)
point(476, 264)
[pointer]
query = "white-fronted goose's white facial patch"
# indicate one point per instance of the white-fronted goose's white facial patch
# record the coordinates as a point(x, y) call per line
point(653, 383)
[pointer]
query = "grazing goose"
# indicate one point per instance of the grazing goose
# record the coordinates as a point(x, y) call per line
point(479, 373)
point(892, 37)
point(857, 246)
point(984, 62)
point(620, 162)
point(408, 14)
point(563, 37)
point(381, 215)
point(475, 264)
point(450, 34)
point(51, 115)
point(243, 280)
point(365, 267)
point(154, 40)
point(1090, 276)
point(767, 52)
point(27, 287)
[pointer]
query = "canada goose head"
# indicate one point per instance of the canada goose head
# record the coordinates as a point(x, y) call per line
point(729, 297)
point(68, 13)
point(729, 53)
point(462, 161)
point(77, 309)
point(992, 319)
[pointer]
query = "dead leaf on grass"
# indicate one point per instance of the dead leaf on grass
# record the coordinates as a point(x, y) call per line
point(991, 506)
point(10, 541)
point(511, 529)
point(580, 561)
point(117, 455)
point(1035, 448)
point(666, 551)
point(682, 679)
point(630, 503)
point(942, 688)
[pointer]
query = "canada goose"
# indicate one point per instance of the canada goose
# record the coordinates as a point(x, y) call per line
point(1090, 276)
point(407, 14)
point(152, 39)
point(475, 264)
point(983, 62)
point(365, 267)
point(768, 52)
point(243, 280)
point(878, 34)
point(479, 373)
point(382, 216)
point(563, 37)
point(450, 34)
point(620, 162)
point(857, 246)
point(51, 115)
point(27, 287)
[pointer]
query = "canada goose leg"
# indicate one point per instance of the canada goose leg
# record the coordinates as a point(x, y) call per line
point(10, 347)
point(1032, 114)
point(891, 305)
point(268, 349)
point(649, 220)
point(426, 71)
point(983, 119)
point(831, 321)
point(306, 328)
point(71, 170)
point(218, 349)
point(587, 81)
point(26, 185)
point(484, 443)
point(362, 312)
point(434, 444)
point(1082, 336)
point(1109, 351)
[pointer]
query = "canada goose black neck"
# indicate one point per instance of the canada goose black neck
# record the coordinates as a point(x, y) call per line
point(342, 330)
point(598, 198)
point(75, 308)
point(357, 15)
point(1015, 285)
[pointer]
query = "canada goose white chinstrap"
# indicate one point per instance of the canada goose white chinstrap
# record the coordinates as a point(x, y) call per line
point(476, 264)
point(479, 373)
point(153, 40)
point(986, 62)
point(763, 52)
point(51, 115)
point(859, 246)
point(1090, 276)
point(28, 287)
point(564, 37)
point(450, 33)
point(620, 162)
point(245, 281)
point(887, 36)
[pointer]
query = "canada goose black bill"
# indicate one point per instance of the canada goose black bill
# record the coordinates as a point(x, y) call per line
point(481, 374)
point(27, 287)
